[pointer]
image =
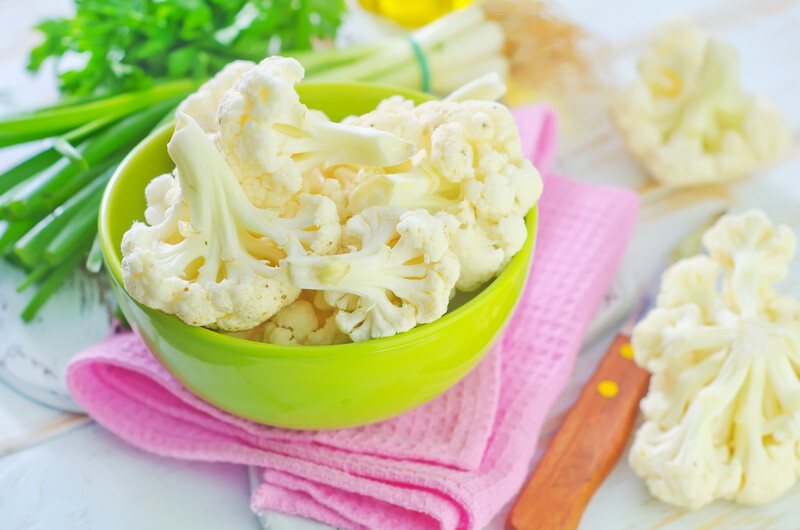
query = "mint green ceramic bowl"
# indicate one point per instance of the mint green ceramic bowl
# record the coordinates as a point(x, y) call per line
point(319, 387)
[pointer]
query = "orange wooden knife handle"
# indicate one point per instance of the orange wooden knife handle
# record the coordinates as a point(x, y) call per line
point(586, 447)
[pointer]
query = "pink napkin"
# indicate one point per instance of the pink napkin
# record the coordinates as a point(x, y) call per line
point(450, 464)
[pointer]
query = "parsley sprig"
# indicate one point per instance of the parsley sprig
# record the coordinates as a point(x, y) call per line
point(125, 45)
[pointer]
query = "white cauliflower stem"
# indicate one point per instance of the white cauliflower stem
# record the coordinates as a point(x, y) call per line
point(399, 272)
point(210, 256)
point(723, 409)
point(686, 117)
point(270, 138)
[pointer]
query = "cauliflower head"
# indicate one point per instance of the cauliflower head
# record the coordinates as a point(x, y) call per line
point(207, 254)
point(686, 117)
point(468, 170)
point(270, 139)
point(202, 104)
point(722, 414)
point(483, 247)
point(398, 272)
point(467, 150)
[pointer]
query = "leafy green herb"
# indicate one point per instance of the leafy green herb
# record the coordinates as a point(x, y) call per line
point(126, 44)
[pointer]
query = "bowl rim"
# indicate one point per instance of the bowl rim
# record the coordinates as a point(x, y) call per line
point(521, 260)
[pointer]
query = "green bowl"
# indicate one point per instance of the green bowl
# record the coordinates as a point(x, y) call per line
point(308, 387)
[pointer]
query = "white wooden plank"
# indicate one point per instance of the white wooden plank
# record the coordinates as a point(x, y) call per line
point(89, 479)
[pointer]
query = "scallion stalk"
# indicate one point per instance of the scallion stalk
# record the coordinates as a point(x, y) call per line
point(54, 185)
point(76, 235)
point(28, 168)
point(31, 247)
point(50, 285)
point(11, 231)
point(94, 262)
point(397, 52)
point(35, 275)
point(57, 120)
point(43, 193)
point(48, 155)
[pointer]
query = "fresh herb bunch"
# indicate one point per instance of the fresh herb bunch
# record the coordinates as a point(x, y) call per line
point(127, 44)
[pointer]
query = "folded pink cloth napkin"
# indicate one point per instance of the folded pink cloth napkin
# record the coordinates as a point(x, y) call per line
point(449, 464)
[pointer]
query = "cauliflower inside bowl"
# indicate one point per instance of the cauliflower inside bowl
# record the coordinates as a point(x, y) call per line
point(309, 387)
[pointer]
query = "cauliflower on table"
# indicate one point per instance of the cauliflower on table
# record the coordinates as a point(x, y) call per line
point(398, 272)
point(723, 409)
point(686, 117)
point(270, 139)
point(207, 254)
point(468, 170)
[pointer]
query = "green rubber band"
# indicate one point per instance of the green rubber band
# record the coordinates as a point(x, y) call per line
point(422, 61)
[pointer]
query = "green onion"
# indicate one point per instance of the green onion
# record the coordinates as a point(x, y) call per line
point(50, 285)
point(49, 155)
point(61, 180)
point(27, 168)
point(11, 231)
point(76, 235)
point(35, 275)
point(50, 188)
point(95, 260)
point(90, 127)
point(64, 148)
point(57, 120)
point(31, 247)
point(315, 61)
point(46, 158)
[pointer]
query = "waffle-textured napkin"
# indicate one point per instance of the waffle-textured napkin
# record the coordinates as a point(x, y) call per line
point(450, 464)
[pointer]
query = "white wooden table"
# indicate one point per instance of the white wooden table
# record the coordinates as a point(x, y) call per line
point(60, 470)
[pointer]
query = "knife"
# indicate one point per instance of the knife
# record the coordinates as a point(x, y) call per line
point(596, 429)
point(589, 442)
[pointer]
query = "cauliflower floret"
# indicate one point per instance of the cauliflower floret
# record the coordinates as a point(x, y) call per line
point(395, 115)
point(304, 322)
point(467, 151)
point(693, 281)
point(755, 254)
point(686, 117)
point(483, 247)
point(723, 409)
point(202, 104)
point(212, 258)
point(160, 194)
point(269, 138)
point(399, 272)
point(468, 170)
point(337, 183)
